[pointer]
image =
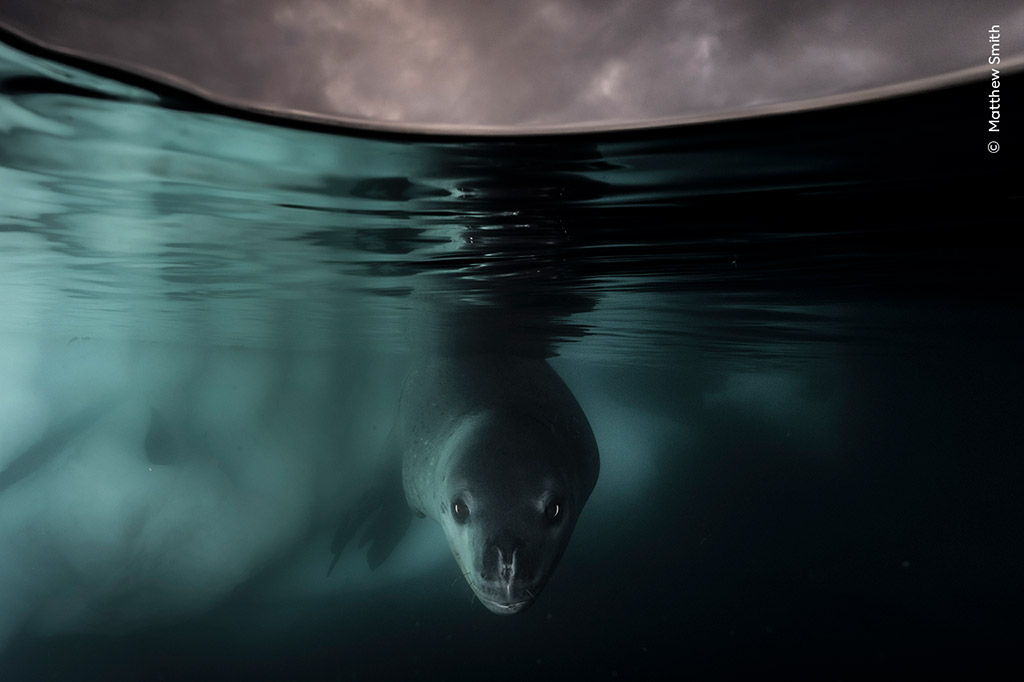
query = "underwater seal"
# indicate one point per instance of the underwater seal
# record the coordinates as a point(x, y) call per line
point(497, 451)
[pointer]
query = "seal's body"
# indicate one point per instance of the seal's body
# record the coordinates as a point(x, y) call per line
point(498, 452)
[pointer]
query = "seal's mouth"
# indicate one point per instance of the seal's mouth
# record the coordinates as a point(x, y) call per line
point(503, 598)
point(504, 609)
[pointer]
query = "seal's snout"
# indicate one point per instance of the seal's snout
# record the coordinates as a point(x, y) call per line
point(505, 584)
point(503, 561)
point(506, 563)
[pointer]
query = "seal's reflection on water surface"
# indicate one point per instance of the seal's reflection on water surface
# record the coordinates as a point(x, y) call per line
point(491, 443)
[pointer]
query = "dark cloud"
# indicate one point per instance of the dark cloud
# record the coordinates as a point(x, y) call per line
point(529, 63)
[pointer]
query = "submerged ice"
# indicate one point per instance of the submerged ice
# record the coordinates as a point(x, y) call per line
point(155, 480)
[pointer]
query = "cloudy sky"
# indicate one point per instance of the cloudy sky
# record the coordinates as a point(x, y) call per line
point(527, 63)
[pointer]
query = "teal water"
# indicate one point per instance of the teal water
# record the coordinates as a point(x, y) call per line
point(795, 337)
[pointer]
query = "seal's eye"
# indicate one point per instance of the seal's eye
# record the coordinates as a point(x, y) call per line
point(460, 510)
point(553, 512)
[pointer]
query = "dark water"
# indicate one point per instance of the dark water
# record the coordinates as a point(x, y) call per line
point(796, 338)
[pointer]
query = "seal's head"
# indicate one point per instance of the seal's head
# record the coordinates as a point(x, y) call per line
point(509, 506)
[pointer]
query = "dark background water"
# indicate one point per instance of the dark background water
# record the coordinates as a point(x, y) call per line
point(818, 312)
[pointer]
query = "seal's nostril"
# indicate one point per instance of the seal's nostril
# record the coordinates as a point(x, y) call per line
point(506, 563)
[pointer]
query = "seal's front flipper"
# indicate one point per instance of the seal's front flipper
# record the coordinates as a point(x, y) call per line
point(353, 521)
point(390, 519)
point(382, 510)
point(387, 530)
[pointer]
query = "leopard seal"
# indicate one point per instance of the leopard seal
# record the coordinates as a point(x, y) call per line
point(498, 452)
